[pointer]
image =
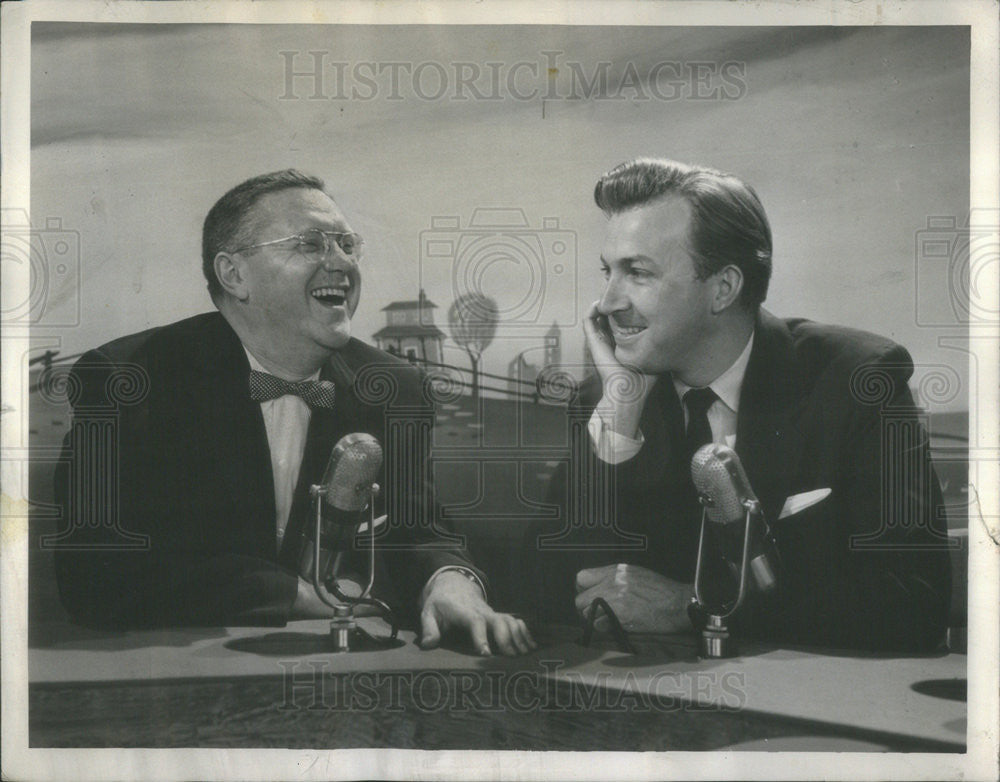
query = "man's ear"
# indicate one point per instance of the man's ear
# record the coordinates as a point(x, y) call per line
point(728, 286)
point(230, 270)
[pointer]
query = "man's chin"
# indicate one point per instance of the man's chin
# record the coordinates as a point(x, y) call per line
point(335, 339)
point(636, 361)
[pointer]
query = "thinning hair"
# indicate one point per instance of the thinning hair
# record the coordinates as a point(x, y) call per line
point(728, 225)
point(227, 225)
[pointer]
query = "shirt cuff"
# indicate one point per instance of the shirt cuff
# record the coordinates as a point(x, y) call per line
point(610, 446)
point(469, 574)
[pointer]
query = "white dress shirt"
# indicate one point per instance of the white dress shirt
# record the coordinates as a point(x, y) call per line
point(615, 448)
point(287, 422)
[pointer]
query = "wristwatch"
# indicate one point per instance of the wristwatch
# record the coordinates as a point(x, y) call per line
point(469, 574)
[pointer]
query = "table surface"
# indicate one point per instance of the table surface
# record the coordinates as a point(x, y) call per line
point(861, 701)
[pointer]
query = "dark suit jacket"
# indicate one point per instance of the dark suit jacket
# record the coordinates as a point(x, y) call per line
point(820, 407)
point(167, 491)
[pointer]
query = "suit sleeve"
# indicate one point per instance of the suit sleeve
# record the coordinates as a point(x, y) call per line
point(898, 576)
point(870, 570)
point(136, 549)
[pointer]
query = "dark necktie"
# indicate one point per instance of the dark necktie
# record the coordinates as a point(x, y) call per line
point(315, 393)
point(698, 433)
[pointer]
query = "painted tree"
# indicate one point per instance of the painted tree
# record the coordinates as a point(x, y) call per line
point(473, 319)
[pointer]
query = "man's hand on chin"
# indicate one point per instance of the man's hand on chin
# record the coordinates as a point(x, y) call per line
point(644, 601)
point(453, 602)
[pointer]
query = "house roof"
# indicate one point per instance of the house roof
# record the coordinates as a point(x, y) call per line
point(413, 304)
point(394, 332)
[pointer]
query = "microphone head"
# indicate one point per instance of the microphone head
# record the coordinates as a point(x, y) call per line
point(353, 467)
point(718, 474)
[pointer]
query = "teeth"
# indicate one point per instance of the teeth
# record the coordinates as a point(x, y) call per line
point(321, 292)
point(629, 330)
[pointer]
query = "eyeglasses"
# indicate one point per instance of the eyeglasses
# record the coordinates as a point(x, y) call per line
point(316, 245)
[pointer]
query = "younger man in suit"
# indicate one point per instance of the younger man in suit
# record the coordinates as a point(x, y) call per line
point(196, 513)
point(820, 416)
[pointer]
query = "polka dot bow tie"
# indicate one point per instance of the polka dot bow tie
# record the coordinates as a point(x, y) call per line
point(315, 393)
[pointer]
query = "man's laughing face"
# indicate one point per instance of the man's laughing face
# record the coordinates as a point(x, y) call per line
point(300, 301)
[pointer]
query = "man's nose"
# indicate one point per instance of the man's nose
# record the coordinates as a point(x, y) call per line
point(612, 299)
point(336, 261)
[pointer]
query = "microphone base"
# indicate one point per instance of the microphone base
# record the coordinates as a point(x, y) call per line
point(342, 628)
point(346, 635)
point(716, 642)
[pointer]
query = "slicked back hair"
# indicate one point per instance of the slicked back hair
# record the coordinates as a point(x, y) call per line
point(728, 223)
point(226, 225)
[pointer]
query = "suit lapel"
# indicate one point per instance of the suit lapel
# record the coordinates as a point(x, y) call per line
point(237, 437)
point(766, 440)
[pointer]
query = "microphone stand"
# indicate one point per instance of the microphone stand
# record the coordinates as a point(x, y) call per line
point(716, 640)
point(343, 626)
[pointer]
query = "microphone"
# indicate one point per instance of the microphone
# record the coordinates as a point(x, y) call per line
point(346, 486)
point(346, 490)
point(340, 500)
point(729, 499)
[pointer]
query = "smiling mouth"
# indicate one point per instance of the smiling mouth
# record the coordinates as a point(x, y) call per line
point(625, 331)
point(330, 296)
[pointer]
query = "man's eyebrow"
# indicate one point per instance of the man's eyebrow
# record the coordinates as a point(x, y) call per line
point(315, 221)
point(629, 260)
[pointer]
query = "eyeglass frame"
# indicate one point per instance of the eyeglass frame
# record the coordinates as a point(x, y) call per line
point(328, 245)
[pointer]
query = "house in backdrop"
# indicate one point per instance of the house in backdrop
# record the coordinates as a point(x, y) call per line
point(409, 330)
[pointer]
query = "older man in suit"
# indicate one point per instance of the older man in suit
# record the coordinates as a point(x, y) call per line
point(820, 416)
point(198, 517)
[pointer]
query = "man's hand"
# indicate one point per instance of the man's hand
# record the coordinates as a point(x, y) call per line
point(625, 389)
point(455, 602)
point(643, 601)
point(600, 342)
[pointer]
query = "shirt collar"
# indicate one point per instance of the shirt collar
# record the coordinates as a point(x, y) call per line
point(255, 364)
point(727, 385)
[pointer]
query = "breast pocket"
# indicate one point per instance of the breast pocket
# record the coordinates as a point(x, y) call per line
point(810, 548)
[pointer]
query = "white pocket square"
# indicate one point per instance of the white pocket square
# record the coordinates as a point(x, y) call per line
point(799, 502)
point(378, 523)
